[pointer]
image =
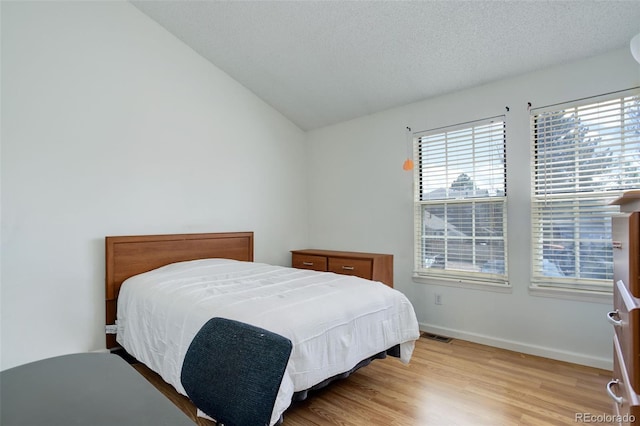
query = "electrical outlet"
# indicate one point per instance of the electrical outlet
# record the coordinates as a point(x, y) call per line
point(438, 299)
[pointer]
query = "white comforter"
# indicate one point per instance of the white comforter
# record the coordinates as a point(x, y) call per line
point(334, 321)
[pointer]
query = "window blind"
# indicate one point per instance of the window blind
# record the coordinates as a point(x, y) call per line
point(585, 154)
point(460, 201)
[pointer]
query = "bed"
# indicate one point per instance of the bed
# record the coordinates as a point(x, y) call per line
point(336, 323)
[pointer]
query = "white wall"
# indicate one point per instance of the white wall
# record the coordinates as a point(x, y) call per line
point(362, 200)
point(111, 126)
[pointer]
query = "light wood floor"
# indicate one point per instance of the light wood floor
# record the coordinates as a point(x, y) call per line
point(456, 383)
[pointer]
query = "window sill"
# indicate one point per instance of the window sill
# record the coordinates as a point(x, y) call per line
point(460, 283)
point(572, 294)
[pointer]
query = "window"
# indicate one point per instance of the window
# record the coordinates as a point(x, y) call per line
point(460, 202)
point(585, 154)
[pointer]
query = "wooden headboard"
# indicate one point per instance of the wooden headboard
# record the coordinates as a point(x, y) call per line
point(127, 256)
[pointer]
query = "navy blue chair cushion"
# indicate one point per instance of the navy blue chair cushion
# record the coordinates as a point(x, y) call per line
point(232, 371)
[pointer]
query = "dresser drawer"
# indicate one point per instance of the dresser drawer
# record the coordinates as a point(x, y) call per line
point(359, 267)
point(626, 320)
point(371, 266)
point(626, 250)
point(626, 402)
point(307, 261)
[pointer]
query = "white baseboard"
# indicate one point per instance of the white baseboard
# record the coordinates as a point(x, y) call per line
point(572, 357)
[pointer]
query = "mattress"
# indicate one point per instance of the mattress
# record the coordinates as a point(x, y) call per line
point(334, 321)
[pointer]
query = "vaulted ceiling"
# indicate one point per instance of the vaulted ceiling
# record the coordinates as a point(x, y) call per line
point(323, 62)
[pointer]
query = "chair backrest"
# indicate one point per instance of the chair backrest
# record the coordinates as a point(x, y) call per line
point(232, 371)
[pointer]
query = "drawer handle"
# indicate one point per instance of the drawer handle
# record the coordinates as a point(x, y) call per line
point(616, 398)
point(348, 268)
point(307, 263)
point(614, 322)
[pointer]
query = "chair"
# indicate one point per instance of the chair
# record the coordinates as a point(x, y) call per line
point(232, 371)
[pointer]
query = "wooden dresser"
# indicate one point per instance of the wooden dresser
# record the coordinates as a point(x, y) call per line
point(372, 266)
point(624, 389)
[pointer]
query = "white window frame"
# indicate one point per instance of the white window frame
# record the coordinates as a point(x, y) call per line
point(496, 279)
point(587, 198)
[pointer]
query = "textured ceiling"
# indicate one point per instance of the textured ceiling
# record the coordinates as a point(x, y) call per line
point(323, 62)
